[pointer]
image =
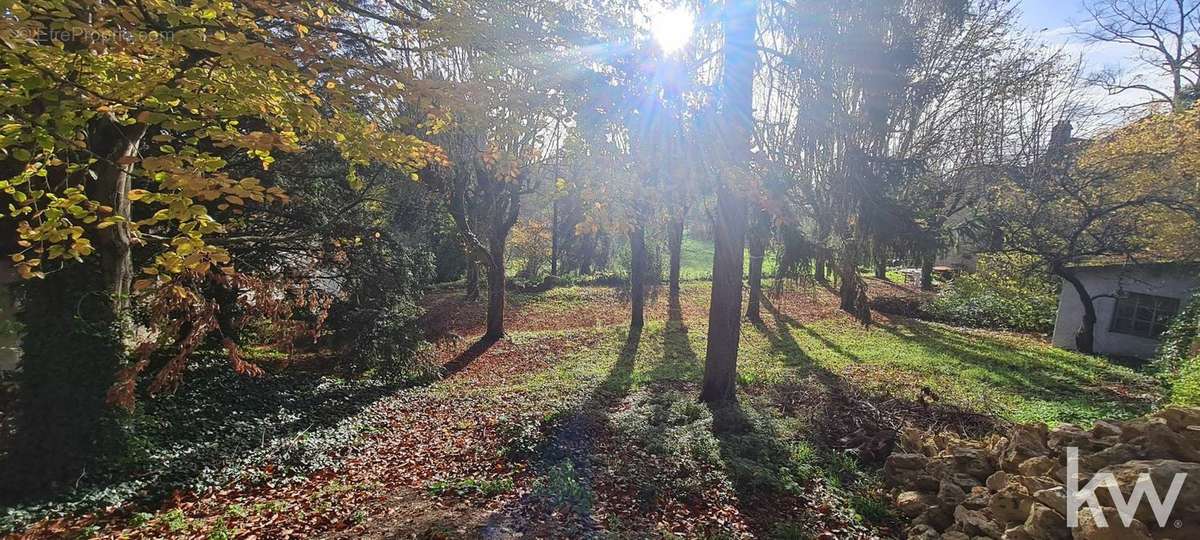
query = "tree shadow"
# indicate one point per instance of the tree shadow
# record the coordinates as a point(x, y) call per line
point(468, 356)
point(1048, 381)
point(564, 462)
point(759, 466)
point(782, 337)
point(679, 362)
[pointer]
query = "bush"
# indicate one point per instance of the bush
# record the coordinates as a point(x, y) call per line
point(1178, 359)
point(1006, 292)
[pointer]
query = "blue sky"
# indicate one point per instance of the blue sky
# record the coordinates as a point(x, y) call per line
point(1055, 21)
point(1038, 14)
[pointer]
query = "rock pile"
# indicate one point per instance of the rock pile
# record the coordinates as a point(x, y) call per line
point(1012, 486)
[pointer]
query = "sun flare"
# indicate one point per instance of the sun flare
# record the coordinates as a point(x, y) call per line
point(672, 28)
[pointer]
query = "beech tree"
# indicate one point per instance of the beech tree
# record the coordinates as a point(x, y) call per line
point(118, 126)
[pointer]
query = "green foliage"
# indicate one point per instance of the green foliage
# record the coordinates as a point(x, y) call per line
point(67, 366)
point(1178, 359)
point(1185, 387)
point(522, 437)
point(464, 487)
point(221, 429)
point(381, 335)
point(562, 488)
point(1004, 293)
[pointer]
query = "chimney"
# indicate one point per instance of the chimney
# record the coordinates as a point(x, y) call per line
point(1061, 134)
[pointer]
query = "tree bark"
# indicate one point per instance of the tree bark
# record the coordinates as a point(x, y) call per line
point(880, 267)
point(111, 188)
point(496, 288)
point(586, 253)
point(758, 249)
point(79, 321)
point(1085, 336)
point(637, 275)
point(821, 262)
point(675, 245)
point(847, 284)
point(472, 280)
point(554, 237)
point(927, 272)
point(740, 23)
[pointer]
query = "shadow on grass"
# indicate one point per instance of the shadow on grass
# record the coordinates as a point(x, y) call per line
point(679, 362)
point(563, 465)
point(782, 323)
point(1024, 373)
point(782, 340)
point(468, 356)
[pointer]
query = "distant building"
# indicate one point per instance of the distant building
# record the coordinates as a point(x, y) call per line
point(1134, 304)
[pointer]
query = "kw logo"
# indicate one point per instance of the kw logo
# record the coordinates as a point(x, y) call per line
point(1126, 508)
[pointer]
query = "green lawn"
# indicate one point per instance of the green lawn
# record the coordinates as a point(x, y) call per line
point(697, 258)
point(645, 390)
point(1015, 377)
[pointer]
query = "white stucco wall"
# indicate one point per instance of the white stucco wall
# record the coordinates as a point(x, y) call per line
point(1173, 281)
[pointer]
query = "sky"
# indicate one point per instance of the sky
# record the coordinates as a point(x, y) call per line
point(1055, 23)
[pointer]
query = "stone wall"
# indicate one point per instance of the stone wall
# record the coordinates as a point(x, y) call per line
point(1012, 486)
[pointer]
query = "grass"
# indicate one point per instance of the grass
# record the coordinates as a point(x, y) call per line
point(696, 260)
point(611, 431)
point(1015, 377)
point(644, 392)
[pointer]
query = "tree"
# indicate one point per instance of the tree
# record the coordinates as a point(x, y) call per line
point(1166, 37)
point(499, 120)
point(110, 105)
point(1079, 205)
point(739, 22)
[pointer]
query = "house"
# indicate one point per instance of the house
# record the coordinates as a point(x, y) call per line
point(1134, 303)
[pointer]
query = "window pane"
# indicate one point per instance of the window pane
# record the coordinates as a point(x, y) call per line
point(1125, 308)
point(1141, 328)
point(1123, 325)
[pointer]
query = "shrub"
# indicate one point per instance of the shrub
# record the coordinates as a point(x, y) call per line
point(1005, 292)
point(1178, 359)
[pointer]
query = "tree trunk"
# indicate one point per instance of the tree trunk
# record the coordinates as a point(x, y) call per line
point(675, 245)
point(821, 262)
point(79, 320)
point(472, 280)
point(586, 253)
point(927, 273)
point(111, 188)
point(1085, 336)
point(847, 284)
point(758, 249)
point(740, 23)
point(554, 237)
point(637, 275)
point(880, 267)
point(496, 284)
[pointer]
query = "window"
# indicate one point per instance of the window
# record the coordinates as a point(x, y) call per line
point(1143, 314)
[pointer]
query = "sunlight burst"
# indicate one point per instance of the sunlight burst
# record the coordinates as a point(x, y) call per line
point(672, 28)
